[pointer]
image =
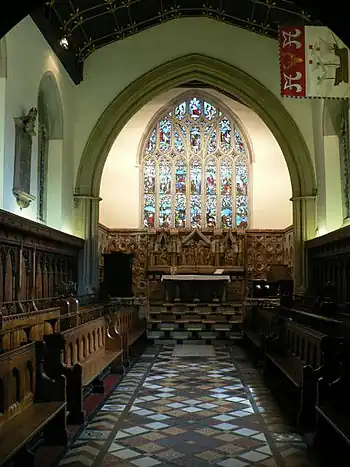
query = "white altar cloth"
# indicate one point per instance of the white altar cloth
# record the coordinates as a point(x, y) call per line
point(196, 277)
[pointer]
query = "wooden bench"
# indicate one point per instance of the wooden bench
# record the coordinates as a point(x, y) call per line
point(323, 324)
point(30, 403)
point(18, 329)
point(296, 351)
point(332, 411)
point(87, 310)
point(84, 354)
point(131, 329)
point(260, 322)
point(27, 306)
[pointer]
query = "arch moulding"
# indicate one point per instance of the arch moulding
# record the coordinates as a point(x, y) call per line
point(3, 58)
point(225, 78)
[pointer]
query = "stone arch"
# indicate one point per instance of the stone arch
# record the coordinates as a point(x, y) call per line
point(225, 78)
point(220, 75)
point(3, 58)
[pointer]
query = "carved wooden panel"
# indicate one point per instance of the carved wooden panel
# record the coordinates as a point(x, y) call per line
point(329, 262)
point(243, 255)
point(264, 249)
point(34, 259)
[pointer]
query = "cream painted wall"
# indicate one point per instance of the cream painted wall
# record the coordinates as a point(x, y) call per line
point(130, 58)
point(334, 206)
point(3, 73)
point(28, 58)
point(271, 188)
point(120, 184)
point(2, 137)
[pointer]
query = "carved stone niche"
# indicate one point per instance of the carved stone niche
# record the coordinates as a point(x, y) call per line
point(25, 130)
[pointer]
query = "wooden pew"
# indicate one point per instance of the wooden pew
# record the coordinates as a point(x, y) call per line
point(30, 403)
point(260, 321)
point(84, 354)
point(323, 324)
point(18, 329)
point(296, 351)
point(27, 306)
point(131, 328)
point(332, 411)
point(19, 324)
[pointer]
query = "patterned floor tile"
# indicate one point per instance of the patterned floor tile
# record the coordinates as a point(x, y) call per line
point(195, 412)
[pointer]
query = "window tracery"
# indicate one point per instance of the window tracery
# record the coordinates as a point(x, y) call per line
point(195, 167)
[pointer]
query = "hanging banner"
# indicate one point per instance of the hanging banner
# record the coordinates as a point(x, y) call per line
point(314, 62)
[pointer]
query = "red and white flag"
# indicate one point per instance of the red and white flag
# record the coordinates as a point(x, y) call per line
point(314, 62)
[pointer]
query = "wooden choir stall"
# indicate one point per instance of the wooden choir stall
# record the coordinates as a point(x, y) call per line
point(56, 348)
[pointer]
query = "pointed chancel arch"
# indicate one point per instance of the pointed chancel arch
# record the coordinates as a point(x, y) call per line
point(50, 146)
point(232, 81)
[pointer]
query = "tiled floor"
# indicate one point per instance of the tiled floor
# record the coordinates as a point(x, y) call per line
point(198, 412)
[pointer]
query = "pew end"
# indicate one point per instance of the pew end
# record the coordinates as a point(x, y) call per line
point(332, 415)
point(31, 404)
point(85, 355)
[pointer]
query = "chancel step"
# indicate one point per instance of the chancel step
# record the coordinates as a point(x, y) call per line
point(197, 322)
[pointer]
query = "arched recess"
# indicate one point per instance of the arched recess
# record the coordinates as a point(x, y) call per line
point(337, 207)
point(3, 76)
point(225, 78)
point(50, 149)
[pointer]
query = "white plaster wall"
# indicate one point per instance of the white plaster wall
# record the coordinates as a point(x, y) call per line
point(110, 69)
point(54, 179)
point(270, 190)
point(2, 137)
point(334, 206)
point(28, 58)
point(107, 72)
point(3, 73)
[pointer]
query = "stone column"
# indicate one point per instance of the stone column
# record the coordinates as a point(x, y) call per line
point(317, 124)
point(304, 219)
point(86, 222)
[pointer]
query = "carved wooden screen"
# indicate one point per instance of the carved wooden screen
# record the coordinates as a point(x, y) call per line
point(195, 167)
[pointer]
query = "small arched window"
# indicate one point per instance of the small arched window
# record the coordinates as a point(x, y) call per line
point(195, 168)
point(43, 149)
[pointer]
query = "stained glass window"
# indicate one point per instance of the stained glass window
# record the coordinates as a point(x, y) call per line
point(241, 192)
point(149, 178)
point(195, 167)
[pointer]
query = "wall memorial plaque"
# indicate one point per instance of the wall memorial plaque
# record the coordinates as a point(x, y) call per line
point(25, 130)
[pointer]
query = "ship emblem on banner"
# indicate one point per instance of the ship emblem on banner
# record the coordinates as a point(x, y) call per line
point(314, 62)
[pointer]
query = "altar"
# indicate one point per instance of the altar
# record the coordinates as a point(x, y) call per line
point(195, 287)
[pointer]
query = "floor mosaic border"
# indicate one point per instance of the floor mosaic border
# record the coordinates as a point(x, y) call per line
point(198, 412)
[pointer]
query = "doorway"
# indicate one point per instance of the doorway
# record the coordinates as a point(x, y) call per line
point(117, 276)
